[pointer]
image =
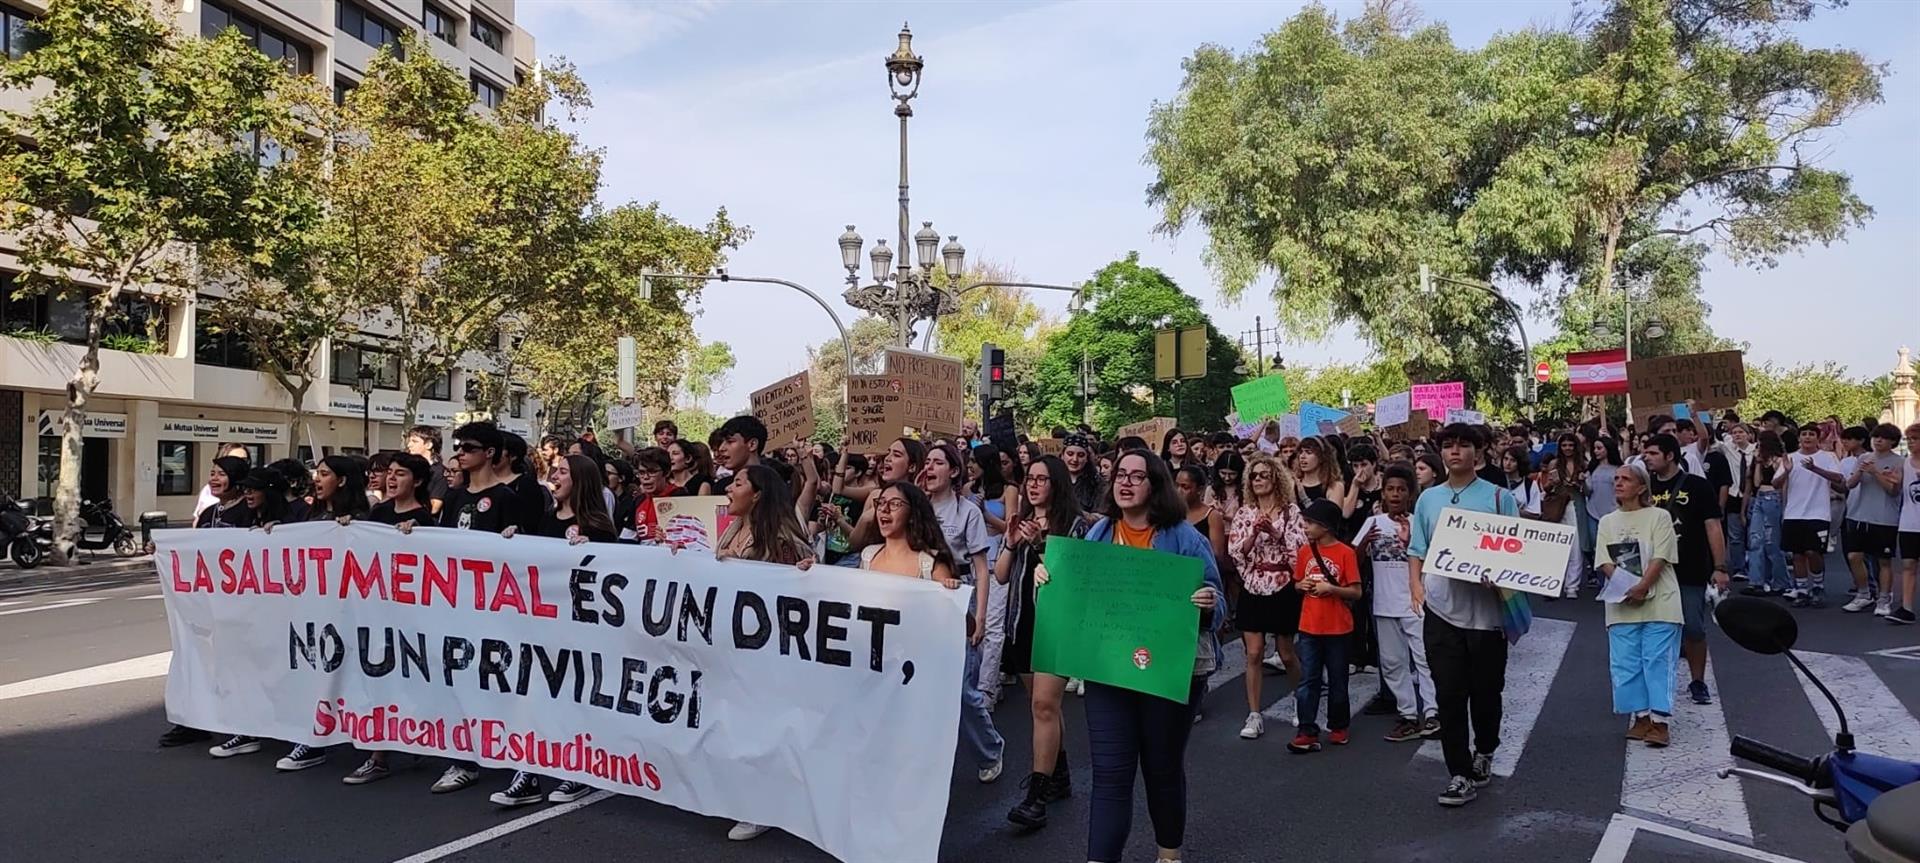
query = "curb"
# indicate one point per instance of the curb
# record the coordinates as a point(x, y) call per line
point(11, 573)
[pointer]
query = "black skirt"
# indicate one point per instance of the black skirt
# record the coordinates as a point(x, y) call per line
point(1277, 613)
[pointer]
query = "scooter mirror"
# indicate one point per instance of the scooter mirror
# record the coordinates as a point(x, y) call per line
point(1757, 625)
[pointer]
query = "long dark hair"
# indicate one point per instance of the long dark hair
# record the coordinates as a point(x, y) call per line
point(1164, 506)
point(956, 466)
point(236, 470)
point(350, 499)
point(1063, 510)
point(772, 520)
point(699, 459)
point(1166, 446)
point(1323, 454)
point(993, 481)
point(923, 531)
point(1613, 452)
point(587, 501)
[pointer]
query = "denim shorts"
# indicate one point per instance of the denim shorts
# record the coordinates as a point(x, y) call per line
point(1693, 609)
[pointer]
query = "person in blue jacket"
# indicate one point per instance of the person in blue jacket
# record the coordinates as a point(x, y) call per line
point(1125, 728)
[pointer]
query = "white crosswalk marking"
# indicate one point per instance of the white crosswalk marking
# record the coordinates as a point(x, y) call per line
point(1233, 661)
point(137, 668)
point(1360, 689)
point(52, 606)
point(1679, 784)
point(1532, 665)
point(1880, 723)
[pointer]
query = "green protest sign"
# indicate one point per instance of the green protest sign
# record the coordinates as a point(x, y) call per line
point(1262, 398)
point(1118, 615)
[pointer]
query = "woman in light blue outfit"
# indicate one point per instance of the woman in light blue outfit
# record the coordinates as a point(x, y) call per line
point(1643, 628)
point(1605, 459)
point(1767, 569)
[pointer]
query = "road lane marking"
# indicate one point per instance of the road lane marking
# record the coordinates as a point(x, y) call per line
point(1361, 688)
point(1617, 842)
point(53, 606)
point(137, 668)
point(488, 835)
point(1912, 652)
point(1531, 667)
point(1880, 723)
point(1678, 784)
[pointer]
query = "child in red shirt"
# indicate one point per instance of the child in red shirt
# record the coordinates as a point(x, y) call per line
point(1327, 573)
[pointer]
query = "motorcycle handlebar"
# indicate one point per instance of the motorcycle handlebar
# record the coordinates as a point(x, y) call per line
point(1766, 755)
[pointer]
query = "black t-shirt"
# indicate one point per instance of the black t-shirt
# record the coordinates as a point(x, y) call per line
point(534, 501)
point(385, 513)
point(491, 509)
point(551, 524)
point(692, 488)
point(1692, 501)
point(436, 486)
point(1719, 473)
point(237, 515)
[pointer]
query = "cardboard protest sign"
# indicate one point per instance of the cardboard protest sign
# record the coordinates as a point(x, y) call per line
point(876, 411)
point(1118, 615)
point(1289, 426)
point(1393, 410)
point(1461, 415)
point(786, 406)
point(1710, 380)
point(656, 671)
point(1242, 430)
point(1514, 553)
point(1262, 398)
point(936, 390)
point(1439, 398)
point(1349, 425)
point(1052, 446)
point(693, 522)
point(632, 415)
point(1416, 426)
point(1152, 431)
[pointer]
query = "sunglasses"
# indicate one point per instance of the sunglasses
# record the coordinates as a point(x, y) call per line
point(468, 447)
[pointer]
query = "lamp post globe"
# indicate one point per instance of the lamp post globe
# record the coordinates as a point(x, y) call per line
point(954, 257)
point(850, 244)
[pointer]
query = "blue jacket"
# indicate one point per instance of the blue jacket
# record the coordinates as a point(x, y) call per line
point(1182, 539)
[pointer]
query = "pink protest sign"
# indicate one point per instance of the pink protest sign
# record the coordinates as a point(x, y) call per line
point(1437, 399)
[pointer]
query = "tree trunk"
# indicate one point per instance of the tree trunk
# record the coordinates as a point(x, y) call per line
point(66, 496)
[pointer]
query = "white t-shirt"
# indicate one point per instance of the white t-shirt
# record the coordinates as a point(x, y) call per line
point(1694, 460)
point(1909, 496)
point(1808, 493)
point(1392, 590)
point(1846, 469)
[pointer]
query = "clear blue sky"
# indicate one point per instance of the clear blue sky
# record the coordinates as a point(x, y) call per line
point(1027, 143)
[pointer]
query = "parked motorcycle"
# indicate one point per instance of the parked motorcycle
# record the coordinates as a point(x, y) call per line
point(19, 534)
point(1874, 800)
point(100, 528)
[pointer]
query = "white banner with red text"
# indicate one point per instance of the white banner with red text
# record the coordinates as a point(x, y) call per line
point(825, 702)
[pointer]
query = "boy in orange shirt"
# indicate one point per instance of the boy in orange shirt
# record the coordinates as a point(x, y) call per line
point(1327, 572)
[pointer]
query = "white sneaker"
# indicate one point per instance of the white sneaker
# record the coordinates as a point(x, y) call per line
point(992, 771)
point(1860, 602)
point(1884, 607)
point(743, 831)
point(1256, 726)
point(1276, 663)
point(458, 776)
point(1076, 686)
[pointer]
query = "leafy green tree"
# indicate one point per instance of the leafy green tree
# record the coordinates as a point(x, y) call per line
point(1809, 392)
point(125, 163)
point(1127, 303)
point(1338, 158)
point(1366, 383)
point(828, 372)
point(1006, 317)
point(707, 368)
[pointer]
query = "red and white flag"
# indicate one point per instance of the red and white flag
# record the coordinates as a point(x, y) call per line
point(1598, 373)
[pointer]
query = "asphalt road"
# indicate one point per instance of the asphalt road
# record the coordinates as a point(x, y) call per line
point(82, 659)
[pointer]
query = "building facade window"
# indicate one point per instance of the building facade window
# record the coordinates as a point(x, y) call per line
point(65, 315)
point(354, 20)
point(486, 34)
point(440, 388)
point(16, 27)
point(341, 87)
point(215, 18)
point(347, 360)
point(442, 25)
point(175, 474)
point(486, 92)
point(517, 405)
point(223, 348)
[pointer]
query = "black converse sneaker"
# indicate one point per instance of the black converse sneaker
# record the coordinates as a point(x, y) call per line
point(524, 789)
point(301, 758)
point(569, 791)
point(181, 735)
point(238, 744)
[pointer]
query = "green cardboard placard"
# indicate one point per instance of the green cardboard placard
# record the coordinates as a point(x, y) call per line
point(1262, 398)
point(1118, 615)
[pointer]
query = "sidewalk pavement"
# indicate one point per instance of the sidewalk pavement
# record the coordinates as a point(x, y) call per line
point(88, 566)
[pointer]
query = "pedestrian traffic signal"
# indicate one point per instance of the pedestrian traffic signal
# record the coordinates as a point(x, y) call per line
point(993, 374)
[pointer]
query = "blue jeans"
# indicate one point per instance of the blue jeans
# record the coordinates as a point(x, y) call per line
point(1318, 653)
point(1766, 562)
point(1130, 731)
point(977, 733)
point(1736, 527)
point(1640, 658)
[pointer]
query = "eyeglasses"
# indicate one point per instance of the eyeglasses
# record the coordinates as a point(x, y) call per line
point(890, 504)
point(1129, 477)
point(1263, 474)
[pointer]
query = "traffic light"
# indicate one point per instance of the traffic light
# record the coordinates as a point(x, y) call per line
point(993, 374)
